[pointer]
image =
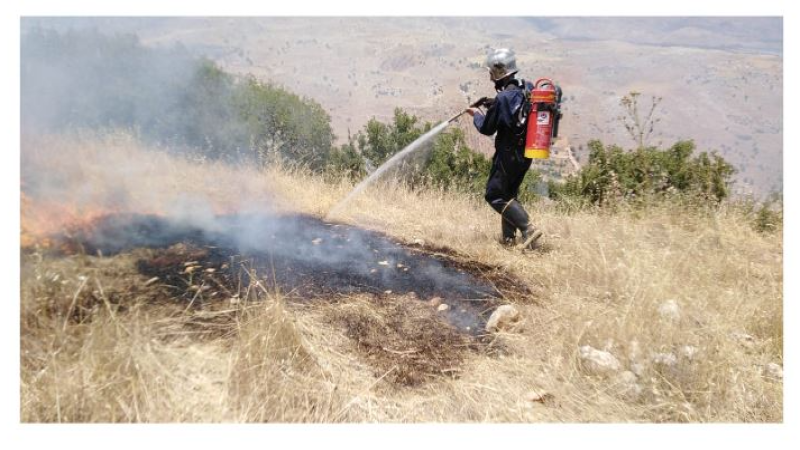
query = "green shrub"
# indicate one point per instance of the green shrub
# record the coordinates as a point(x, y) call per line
point(379, 141)
point(767, 216)
point(767, 219)
point(346, 161)
point(613, 174)
point(452, 165)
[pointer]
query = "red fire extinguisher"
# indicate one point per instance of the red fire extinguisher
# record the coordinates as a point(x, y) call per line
point(542, 119)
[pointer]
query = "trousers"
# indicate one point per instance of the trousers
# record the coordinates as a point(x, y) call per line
point(509, 167)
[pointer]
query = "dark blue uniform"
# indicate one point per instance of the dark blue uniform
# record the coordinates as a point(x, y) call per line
point(509, 164)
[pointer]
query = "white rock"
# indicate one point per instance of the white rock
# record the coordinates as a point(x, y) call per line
point(503, 318)
point(626, 385)
point(665, 359)
point(443, 307)
point(670, 311)
point(627, 377)
point(689, 352)
point(774, 371)
point(598, 362)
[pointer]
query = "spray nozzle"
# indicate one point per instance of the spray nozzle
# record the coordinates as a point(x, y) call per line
point(483, 101)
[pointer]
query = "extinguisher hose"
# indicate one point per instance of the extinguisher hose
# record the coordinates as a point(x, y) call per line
point(556, 120)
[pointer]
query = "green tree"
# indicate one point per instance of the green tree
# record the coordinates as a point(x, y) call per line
point(280, 122)
point(380, 141)
point(203, 117)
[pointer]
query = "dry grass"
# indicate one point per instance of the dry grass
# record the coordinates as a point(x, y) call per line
point(94, 349)
point(274, 378)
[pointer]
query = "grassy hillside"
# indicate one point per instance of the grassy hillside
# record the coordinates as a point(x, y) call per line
point(101, 341)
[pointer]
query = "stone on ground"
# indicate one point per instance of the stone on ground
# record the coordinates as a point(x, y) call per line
point(774, 371)
point(670, 311)
point(626, 385)
point(598, 362)
point(504, 318)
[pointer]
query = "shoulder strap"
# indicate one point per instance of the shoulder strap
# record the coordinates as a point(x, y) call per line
point(524, 110)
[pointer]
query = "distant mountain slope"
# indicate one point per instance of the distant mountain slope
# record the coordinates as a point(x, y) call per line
point(746, 34)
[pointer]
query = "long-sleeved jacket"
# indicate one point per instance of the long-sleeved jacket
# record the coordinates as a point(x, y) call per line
point(502, 118)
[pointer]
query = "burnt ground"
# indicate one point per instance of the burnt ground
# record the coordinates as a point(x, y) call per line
point(384, 294)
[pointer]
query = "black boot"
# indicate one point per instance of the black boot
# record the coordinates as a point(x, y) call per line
point(517, 215)
point(508, 226)
point(509, 232)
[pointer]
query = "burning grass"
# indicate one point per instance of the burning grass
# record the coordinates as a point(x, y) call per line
point(270, 338)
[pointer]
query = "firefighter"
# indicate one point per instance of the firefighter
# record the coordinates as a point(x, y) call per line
point(509, 164)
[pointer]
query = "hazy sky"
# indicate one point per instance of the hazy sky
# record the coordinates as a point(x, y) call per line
point(755, 34)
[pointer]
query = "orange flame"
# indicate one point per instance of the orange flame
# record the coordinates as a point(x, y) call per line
point(43, 221)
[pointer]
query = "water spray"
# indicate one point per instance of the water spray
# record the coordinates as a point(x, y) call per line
point(418, 144)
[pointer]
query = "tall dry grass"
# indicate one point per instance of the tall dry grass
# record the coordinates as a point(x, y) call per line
point(274, 377)
point(600, 280)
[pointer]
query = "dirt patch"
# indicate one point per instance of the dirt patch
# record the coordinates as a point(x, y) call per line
point(407, 342)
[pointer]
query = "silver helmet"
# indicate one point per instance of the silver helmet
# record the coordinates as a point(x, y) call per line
point(501, 63)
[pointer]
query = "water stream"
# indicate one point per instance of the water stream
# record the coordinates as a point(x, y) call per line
point(419, 144)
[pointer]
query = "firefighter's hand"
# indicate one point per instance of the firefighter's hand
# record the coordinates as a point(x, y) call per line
point(472, 111)
point(483, 101)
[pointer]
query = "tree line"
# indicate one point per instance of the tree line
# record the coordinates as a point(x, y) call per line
point(85, 79)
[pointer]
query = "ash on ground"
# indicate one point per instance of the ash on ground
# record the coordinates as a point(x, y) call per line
point(300, 256)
